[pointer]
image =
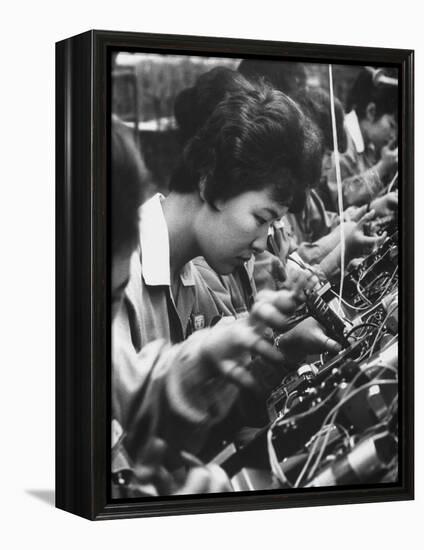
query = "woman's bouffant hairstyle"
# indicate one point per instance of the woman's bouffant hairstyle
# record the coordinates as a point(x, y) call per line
point(365, 90)
point(194, 105)
point(287, 76)
point(316, 104)
point(255, 137)
point(129, 182)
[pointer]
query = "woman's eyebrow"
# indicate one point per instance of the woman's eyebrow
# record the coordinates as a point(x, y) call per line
point(271, 211)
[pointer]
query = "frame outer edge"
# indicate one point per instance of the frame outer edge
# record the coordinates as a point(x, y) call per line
point(81, 354)
point(74, 422)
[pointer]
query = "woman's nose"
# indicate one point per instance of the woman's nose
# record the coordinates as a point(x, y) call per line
point(259, 244)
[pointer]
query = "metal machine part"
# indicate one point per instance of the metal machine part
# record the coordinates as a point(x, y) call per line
point(368, 458)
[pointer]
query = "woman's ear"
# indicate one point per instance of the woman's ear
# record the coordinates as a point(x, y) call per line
point(202, 188)
point(216, 204)
point(371, 112)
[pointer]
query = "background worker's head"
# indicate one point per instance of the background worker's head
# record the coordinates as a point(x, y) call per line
point(287, 76)
point(376, 105)
point(316, 104)
point(129, 183)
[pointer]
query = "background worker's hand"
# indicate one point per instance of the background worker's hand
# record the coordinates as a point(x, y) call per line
point(386, 205)
point(357, 242)
point(388, 163)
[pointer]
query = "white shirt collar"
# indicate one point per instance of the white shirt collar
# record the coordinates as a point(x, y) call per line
point(154, 244)
point(352, 126)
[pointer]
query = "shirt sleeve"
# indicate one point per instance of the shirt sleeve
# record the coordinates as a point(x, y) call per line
point(358, 187)
point(180, 397)
point(314, 253)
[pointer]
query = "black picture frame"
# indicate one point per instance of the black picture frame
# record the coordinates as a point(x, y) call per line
point(82, 313)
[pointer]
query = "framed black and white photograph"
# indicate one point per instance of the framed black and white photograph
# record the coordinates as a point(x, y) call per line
point(234, 274)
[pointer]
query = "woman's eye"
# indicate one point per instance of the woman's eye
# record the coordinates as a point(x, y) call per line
point(260, 220)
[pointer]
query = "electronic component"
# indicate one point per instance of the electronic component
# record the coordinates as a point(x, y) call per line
point(333, 421)
point(370, 457)
point(331, 322)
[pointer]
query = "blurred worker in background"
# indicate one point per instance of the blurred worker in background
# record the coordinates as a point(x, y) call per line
point(314, 230)
point(371, 159)
point(289, 77)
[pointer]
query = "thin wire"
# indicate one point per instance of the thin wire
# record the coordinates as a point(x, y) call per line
point(387, 344)
point(281, 420)
point(381, 368)
point(325, 429)
point(273, 460)
point(349, 305)
point(348, 396)
point(347, 392)
point(389, 312)
point(287, 403)
point(339, 186)
point(388, 284)
point(333, 414)
point(372, 266)
point(361, 325)
point(361, 293)
point(305, 267)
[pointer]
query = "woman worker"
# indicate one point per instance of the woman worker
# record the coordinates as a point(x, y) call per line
point(178, 375)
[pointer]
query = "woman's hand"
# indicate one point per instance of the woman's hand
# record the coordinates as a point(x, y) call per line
point(204, 479)
point(176, 473)
point(231, 343)
point(306, 338)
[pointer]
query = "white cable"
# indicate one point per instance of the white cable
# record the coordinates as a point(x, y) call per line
point(339, 185)
point(276, 468)
point(391, 184)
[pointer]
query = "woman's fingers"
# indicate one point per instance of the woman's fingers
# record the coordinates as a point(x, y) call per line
point(359, 213)
point(366, 218)
point(267, 351)
point(236, 372)
point(267, 314)
point(307, 337)
point(323, 343)
point(368, 243)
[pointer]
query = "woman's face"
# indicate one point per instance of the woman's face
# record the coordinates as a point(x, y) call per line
point(119, 276)
point(383, 131)
point(237, 228)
